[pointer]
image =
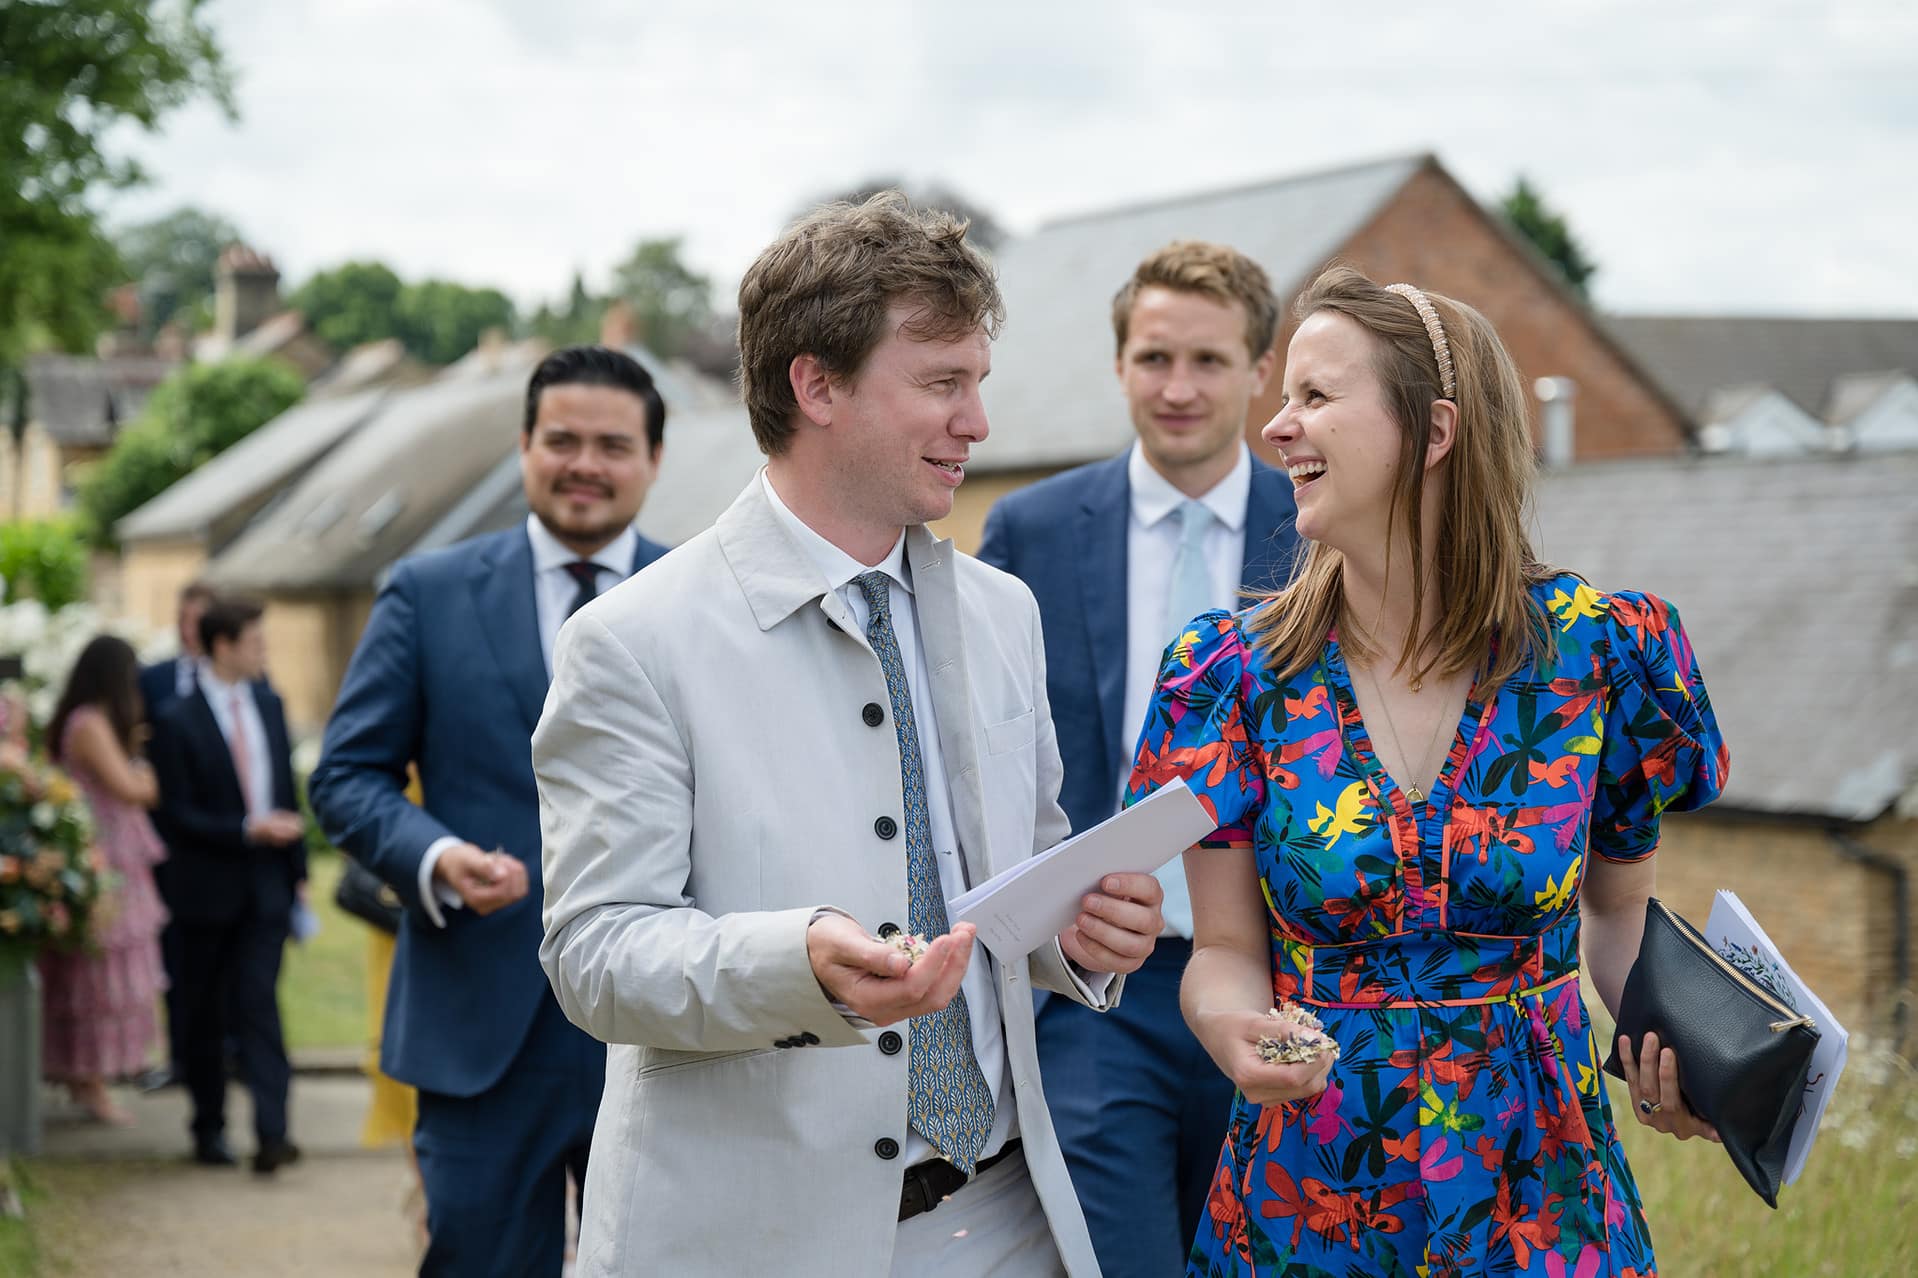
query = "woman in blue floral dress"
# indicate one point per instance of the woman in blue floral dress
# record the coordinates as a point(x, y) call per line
point(1433, 763)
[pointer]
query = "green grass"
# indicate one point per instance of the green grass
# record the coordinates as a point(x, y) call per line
point(323, 983)
point(19, 1253)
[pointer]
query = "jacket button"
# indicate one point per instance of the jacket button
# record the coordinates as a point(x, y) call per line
point(888, 930)
point(890, 1043)
point(809, 1039)
point(886, 1147)
point(872, 714)
point(885, 827)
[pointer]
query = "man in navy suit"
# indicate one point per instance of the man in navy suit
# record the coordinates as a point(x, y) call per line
point(1120, 555)
point(161, 684)
point(449, 678)
point(238, 857)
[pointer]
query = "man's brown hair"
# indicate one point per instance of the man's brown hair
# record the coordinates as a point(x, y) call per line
point(1211, 270)
point(824, 288)
point(227, 617)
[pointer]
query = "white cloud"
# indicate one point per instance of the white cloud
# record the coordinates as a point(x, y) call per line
point(1756, 156)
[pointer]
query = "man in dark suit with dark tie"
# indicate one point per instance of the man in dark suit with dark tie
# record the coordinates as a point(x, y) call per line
point(238, 856)
point(450, 677)
point(1120, 555)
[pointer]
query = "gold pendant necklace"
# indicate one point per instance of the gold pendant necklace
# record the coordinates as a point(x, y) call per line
point(1412, 790)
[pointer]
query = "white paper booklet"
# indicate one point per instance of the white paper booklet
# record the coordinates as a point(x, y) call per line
point(1034, 900)
point(1735, 934)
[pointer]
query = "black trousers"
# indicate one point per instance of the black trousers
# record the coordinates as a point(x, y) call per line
point(229, 978)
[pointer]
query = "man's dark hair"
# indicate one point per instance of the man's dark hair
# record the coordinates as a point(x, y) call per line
point(598, 366)
point(226, 617)
point(195, 591)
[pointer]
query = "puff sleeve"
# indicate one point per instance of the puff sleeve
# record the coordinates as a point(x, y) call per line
point(1195, 729)
point(1662, 748)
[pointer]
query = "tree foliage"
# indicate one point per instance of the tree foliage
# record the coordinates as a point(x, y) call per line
point(670, 300)
point(70, 74)
point(573, 323)
point(436, 320)
point(171, 260)
point(191, 417)
point(1532, 218)
point(44, 559)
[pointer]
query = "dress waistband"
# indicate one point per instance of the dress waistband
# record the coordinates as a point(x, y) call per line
point(1428, 969)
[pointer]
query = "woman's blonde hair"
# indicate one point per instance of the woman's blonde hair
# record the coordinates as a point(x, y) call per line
point(1485, 563)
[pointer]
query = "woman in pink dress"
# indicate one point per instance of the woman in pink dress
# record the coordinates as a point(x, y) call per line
point(101, 1004)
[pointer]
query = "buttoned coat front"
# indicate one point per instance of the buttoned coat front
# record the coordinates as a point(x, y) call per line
point(709, 779)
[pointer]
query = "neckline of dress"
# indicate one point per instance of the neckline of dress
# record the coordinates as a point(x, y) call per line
point(1357, 735)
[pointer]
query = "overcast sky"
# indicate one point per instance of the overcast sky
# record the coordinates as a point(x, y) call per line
point(1751, 157)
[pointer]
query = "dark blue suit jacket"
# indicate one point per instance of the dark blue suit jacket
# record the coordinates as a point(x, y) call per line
point(214, 875)
point(1065, 537)
point(448, 677)
point(159, 686)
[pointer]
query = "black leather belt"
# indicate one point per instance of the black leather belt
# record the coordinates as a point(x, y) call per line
point(932, 1182)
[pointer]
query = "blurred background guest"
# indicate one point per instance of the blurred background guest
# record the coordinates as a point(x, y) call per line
point(101, 1014)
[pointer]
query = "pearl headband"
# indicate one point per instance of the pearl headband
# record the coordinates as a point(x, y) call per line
point(1441, 349)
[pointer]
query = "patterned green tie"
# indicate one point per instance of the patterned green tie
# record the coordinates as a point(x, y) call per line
point(951, 1105)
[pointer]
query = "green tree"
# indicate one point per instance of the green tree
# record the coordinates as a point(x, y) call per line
point(352, 303)
point(71, 73)
point(191, 417)
point(171, 260)
point(1546, 230)
point(45, 559)
point(670, 300)
point(440, 321)
point(574, 324)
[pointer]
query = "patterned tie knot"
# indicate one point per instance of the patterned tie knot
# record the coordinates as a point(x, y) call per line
point(584, 572)
point(876, 586)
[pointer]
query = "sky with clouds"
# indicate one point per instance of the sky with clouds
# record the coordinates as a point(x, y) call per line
point(1752, 157)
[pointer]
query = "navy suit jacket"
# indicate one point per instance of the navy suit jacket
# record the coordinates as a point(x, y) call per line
point(214, 875)
point(159, 686)
point(448, 677)
point(1065, 537)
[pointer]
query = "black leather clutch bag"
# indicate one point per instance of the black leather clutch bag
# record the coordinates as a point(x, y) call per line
point(1743, 1053)
point(365, 896)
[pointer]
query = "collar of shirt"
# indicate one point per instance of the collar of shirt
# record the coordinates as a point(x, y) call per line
point(838, 567)
point(549, 552)
point(1154, 498)
point(217, 689)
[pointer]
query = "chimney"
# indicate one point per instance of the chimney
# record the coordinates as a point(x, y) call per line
point(618, 326)
point(1555, 396)
point(246, 292)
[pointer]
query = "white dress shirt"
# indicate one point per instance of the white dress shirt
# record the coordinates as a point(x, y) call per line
point(1152, 543)
point(186, 674)
point(553, 592)
point(223, 698)
point(982, 1002)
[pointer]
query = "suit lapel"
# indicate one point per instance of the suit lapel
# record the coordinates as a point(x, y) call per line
point(935, 592)
point(502, 584)
point(1100, 531)
point(1270, 540)
point(200, 713)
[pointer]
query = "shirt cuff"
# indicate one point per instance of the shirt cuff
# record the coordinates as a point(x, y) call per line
point(1096, 983)
point(434, 894)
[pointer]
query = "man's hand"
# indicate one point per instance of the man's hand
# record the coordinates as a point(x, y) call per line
point(485, 881)
point(277, 828)
point(1117, 927)
point(872, 979)
point(1232, 1040)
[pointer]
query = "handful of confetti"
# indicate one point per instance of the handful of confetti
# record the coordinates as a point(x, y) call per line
point(909, 944)
point(1300, 1037)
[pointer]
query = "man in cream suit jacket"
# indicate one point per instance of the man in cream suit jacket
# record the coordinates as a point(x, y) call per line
point(813, 723)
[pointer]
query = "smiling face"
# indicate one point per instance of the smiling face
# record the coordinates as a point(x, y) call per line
point(1338, 435)
point(586, 463)
point(1189, 379)
point(901, 431)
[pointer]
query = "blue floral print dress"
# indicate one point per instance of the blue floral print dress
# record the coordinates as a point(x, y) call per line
point(1464, 1129)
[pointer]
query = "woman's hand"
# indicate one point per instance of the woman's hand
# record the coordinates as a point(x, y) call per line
point(1232, 1038)
point(1652, 1075)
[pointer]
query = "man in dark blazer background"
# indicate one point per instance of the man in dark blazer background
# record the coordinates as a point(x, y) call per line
point(237, 849)
point(450, 677)
point(1120, 555)
point(162, 683)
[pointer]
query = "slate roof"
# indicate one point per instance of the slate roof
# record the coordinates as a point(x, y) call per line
point(82, 401)
point(1798, 584)
point(1693, 356)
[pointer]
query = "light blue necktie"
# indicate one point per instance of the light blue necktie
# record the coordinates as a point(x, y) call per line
point(1191, 595)
point(951, 1104)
